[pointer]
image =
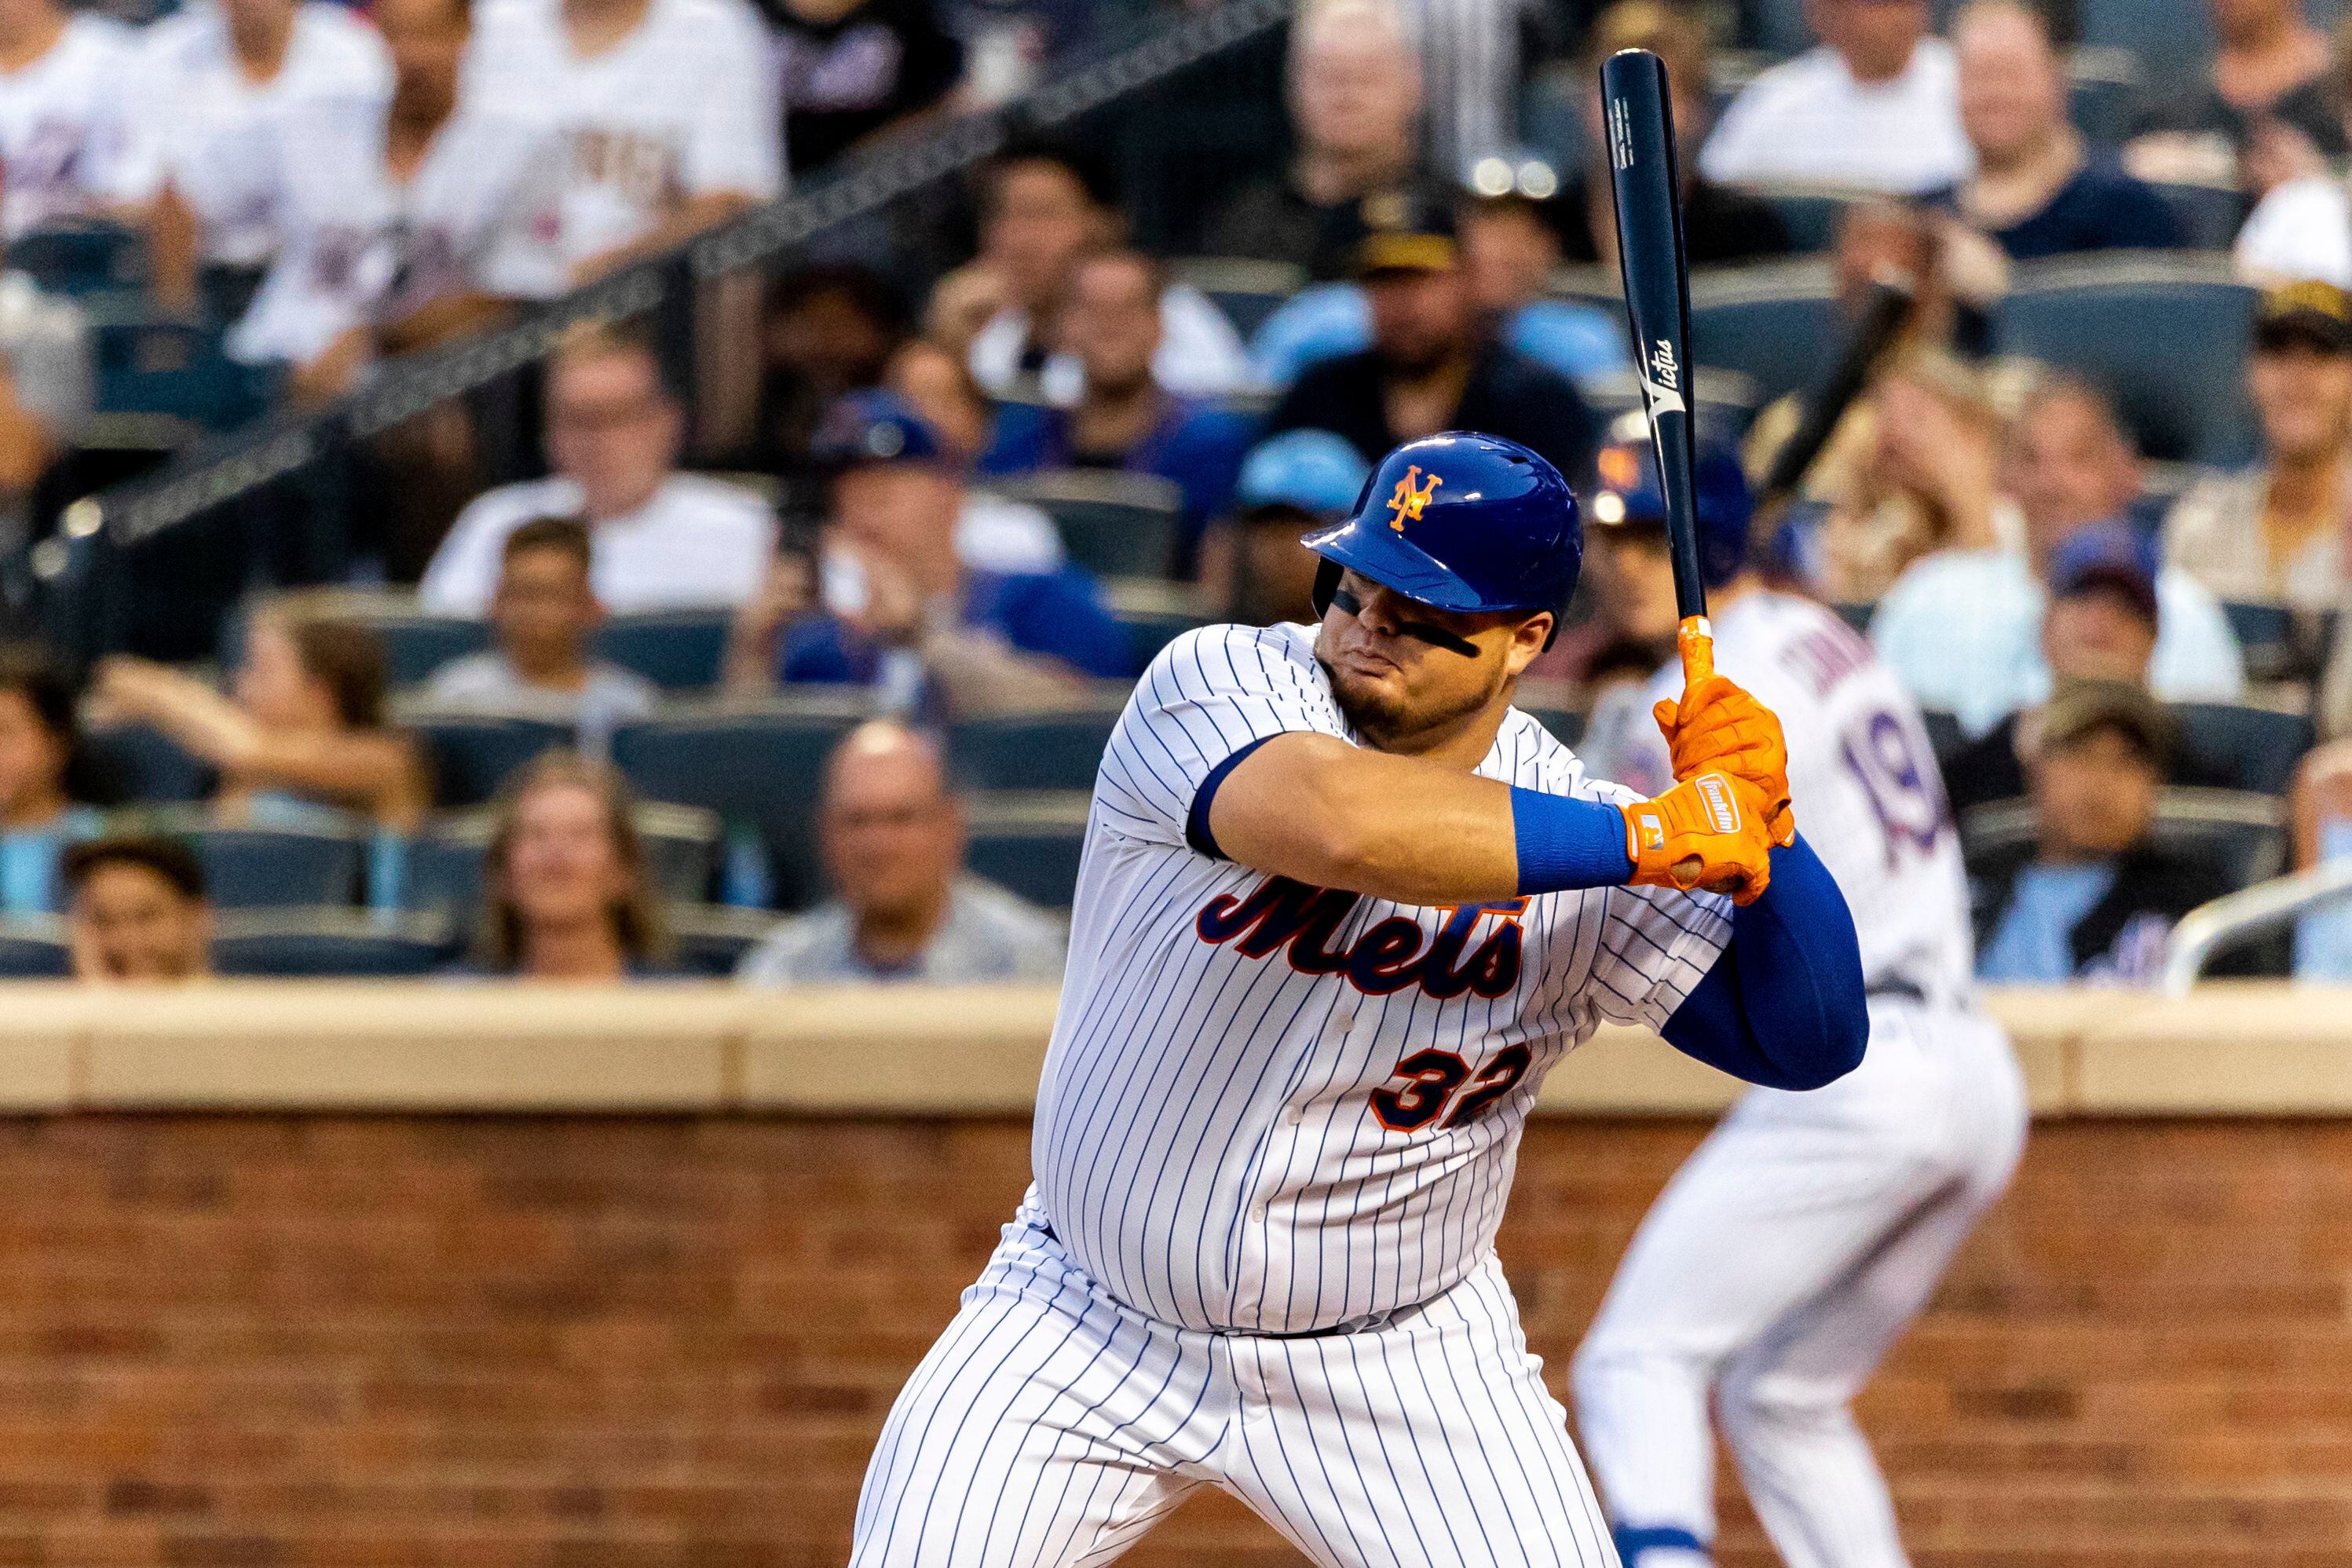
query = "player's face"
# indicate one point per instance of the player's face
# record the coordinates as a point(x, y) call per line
point(1406, 691)
point(544, 608)
point(32, 760)
point(1635, 584)
point(2092, 798)
point(2304, 395)
point(129, 924)
point(562, 868)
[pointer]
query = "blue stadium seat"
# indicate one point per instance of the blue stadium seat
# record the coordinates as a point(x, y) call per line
point(1811, 212)
point(2259, 746)
point(2241, 833)
point(415, 643)
point(258, 867)
point(1945, 735)
point(2170, 37)
point(678, 650)
point(2103, 93)
point(2209, 215)
point(137, 764)
point(1246, 289)
point(473, 753)
point(757, 766)
point(1055, 750)
point(81, 256)
point(2165, 336)
point(307, 943)
point(1154, 614)
point(1113, 524)
point(710, 939)
point(1774, 324)
point(442, 865)
point(1029, 841)
point(156, 362)
point(33, 947)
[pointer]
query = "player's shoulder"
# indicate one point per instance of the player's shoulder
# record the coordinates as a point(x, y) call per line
point(1232, 656)
point(1528, 754)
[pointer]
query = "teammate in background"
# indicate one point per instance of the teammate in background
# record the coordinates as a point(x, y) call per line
point(1790, 1251)
point(1341, 908)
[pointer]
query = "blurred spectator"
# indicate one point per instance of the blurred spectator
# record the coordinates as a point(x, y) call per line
point(853, 69)
point(65, 136)
point(662, 540)
point(543, 616)
point(135, 910)
point(2094, 896)
point(1124, 419)
point(2101, 625)
point(1720, 225)
point(903, 907)
point(2278, 532)
point(1431, 366)
point(2037, 190)
point(38, 818)
point(1047, 206)
point(831, 329)
point(1355, 104)
point(898, 608)
point(665, 110)
point(1510, 249)
point(304, 729)
point(2302, 226)
point(1470, 54)
point(256, 119)
point(933, 372)
point(1252, 568)
point(567, 894)
point(2320, 810)
point(1875, 105)
point(1963, 626)
point(2270, 66)
point(49, 383)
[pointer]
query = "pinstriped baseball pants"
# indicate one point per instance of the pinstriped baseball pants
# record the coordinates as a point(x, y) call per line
point(1052, 1427)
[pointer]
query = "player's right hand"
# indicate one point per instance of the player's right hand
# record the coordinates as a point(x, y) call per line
point(1720, 725)
point(1708, 831)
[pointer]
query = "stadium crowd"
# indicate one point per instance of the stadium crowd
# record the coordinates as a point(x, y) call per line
point(823, 706)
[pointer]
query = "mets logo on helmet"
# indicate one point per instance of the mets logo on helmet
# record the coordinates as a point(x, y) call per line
point(1410, 498)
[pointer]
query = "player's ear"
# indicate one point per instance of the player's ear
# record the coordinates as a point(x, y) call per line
point(1530, 638)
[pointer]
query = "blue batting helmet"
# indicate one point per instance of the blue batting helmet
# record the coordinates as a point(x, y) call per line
point(1628, 492)
point(1459, 521)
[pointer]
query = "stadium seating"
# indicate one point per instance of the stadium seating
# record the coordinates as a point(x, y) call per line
point(442, 870)
point(756, 766)
point(157, 363)
point(2170, 37)
point(87, 256)
point(2103, 93)
point(1944, 733)
point(1054, 750)
point(1113, 524)
point(1246, 290)
point(2265, 635)
point(472, 754)
point(1029, 841)
point(135, 762)
point(302, 942)
point(2243, 833)
point(2259, 746)
point(1811, 212)
point(2180, 389)
point(258, 866)
point(1154, 614)
point(415, 643)
point(33, 947)
point(710, 940)
point(676, 650)
point(1774, 323)
point(2209, 215)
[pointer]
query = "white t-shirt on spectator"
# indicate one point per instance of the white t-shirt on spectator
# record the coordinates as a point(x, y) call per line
point(2303, 229)
point(1962, 630)
point(1808, 119)
point(684, 106)
point(65, 143)
point(1200, 354)
point(1009, 538)
point(486, 682)
point(699, 543)
point(247, 157)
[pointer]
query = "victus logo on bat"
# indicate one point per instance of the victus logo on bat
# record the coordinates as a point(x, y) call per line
point(1663, 369)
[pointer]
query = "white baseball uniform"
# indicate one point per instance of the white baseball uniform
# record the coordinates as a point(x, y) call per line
point(1786, 1256)
point(684, 106)
point(1273, 1142)
point(65, 142)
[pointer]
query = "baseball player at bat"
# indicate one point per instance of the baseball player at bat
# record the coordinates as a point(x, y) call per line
point(1341, 909)
point(1794, 1246)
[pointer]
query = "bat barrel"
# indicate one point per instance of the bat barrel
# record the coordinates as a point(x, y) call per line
point(1639, 122)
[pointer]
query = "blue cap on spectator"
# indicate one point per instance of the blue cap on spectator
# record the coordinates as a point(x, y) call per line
point(875, 426)
point(1312, 470)
point(2112, 556)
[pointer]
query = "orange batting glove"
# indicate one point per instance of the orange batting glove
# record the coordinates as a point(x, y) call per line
point(1707, 831)
point(1717, 725)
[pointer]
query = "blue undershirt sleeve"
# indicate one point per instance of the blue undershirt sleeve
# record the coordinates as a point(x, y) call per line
point(1784, 1006)
point(1564, 842)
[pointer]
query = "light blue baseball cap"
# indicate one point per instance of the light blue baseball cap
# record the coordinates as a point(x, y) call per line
point(1313, 470)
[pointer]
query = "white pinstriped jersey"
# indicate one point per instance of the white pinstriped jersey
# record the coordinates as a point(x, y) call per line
point(1869, 797)
point(1272, 1108)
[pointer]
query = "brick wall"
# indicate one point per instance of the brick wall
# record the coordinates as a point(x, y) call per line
point(258, 1340)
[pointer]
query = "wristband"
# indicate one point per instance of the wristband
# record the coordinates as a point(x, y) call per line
point(1564, 842)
